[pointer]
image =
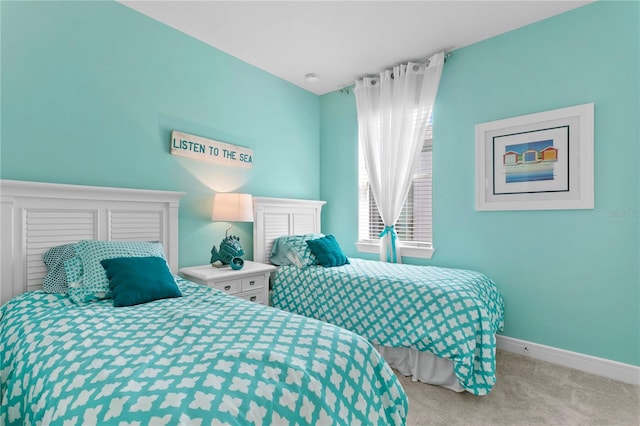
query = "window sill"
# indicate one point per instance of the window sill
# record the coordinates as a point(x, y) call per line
point(403, 249)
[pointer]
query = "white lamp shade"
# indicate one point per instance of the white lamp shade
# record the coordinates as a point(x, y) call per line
point(232, 207)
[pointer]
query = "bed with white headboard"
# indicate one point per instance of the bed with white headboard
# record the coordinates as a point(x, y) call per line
point(51, 337)
point(36, 216)
point(351, 295)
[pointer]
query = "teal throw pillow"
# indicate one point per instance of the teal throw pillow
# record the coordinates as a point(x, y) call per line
point(136, 280)
point(327, 251)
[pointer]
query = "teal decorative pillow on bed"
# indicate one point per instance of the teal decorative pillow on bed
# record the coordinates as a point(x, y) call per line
point(327, 251)
point(277, 256)
point(73, 271)
point(94, 284)
point(136, 280)
point(293, 250)
point(56, 279)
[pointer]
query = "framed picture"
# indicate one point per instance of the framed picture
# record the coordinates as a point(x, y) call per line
point(541, 161)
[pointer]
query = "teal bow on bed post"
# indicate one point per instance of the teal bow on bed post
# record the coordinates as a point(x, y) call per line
point(391, 229)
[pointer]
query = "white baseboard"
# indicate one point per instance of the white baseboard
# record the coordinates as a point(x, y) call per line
point(626, 373)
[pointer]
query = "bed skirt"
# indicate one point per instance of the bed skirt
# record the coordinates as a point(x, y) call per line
point(421, 366)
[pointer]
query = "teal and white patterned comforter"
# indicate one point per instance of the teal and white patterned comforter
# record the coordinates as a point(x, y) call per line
point(451, 313)
point(203, 359)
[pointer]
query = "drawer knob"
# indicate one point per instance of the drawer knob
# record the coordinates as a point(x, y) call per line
point(227, 287)
point(253, 298)
point(252, 282)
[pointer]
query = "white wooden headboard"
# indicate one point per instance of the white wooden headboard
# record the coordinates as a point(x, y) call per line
point(36, 216)
point(276, 217)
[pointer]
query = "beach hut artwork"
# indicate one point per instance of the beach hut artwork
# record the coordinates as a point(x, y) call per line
point(530, 161)
point(540, 161)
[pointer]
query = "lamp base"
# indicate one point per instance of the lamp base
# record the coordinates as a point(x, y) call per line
point(229, 248)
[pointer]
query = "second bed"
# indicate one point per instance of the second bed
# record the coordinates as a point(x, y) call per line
point(437, 325)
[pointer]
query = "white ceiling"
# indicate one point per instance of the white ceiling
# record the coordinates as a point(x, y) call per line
point(343, 40)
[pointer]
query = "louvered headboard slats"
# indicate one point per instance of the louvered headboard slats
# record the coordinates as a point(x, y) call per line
point(276, 225)
point(136, 226)
point(37, 216)
point(277, 217)
point(46, 228)
point(304, 222)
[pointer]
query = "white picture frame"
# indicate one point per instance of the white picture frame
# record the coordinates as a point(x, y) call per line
point(541, 161)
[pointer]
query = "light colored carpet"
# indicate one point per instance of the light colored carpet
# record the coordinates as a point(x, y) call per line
point(528, 392)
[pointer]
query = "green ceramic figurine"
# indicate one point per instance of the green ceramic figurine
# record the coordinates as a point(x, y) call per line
point(229, 248)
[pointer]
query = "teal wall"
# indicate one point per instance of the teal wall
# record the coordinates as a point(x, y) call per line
point(570, 278)
point(92, 90)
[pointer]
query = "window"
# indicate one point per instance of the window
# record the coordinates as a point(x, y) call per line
point(414, 227)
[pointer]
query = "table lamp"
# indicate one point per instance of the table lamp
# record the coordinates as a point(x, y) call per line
point(230, 207)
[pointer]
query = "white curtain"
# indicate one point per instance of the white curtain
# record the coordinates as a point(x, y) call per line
point(393, 110)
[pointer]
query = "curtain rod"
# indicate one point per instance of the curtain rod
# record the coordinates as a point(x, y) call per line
point(346, 89)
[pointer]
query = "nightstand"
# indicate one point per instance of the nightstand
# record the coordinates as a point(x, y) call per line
point(251, 282)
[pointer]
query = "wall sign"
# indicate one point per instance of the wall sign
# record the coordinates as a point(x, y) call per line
point(190, 146)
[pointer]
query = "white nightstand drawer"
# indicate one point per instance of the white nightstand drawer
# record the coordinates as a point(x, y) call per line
point(254, 282)
point(258, 297)
point(231, 286)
